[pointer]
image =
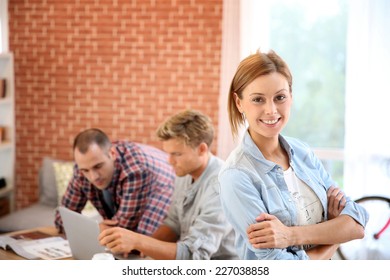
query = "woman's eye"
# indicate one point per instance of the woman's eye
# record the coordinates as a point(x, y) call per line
point(280, 98)
point(257, 99)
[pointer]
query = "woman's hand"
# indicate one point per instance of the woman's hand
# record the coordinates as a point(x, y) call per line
point(336, 202)
point(269, 232)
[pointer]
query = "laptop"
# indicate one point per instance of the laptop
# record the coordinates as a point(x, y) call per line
point(82, 233)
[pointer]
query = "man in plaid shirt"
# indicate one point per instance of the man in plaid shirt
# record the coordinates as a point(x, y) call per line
point(130, 184)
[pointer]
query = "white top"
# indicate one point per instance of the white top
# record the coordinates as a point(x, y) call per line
point(309, 208)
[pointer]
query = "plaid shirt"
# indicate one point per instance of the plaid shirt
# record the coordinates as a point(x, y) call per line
point(142, 187)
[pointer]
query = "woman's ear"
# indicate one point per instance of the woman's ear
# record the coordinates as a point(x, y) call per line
point(237, 100)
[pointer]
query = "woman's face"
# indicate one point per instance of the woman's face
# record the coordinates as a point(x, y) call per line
point(266, 103)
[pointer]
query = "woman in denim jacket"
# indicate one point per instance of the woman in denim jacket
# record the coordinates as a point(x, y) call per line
point(274, 191)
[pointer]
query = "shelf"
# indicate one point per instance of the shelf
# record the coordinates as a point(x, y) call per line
point(7, 124)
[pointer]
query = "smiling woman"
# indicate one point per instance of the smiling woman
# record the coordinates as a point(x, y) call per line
point(274, 191)
point(319, 66)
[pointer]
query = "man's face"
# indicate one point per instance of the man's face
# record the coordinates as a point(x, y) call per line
point(183, 158)
point(96, 165)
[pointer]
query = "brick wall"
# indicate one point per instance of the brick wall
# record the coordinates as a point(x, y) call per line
point(122, 66)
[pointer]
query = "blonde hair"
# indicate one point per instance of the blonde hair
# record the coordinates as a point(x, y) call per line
point(191, 126)
point(252, 67)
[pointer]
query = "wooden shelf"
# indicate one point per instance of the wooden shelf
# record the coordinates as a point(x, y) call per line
point(7, 122)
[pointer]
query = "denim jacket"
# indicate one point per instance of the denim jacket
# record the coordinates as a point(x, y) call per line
point(251, 184)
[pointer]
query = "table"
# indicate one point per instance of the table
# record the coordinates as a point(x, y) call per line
point(10, 255)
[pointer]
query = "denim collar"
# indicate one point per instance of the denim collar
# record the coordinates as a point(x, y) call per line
point(249, 147)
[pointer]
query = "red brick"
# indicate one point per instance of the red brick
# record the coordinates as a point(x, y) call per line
point(122, 67)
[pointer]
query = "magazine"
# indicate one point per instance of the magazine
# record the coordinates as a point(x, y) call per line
point(37, 245)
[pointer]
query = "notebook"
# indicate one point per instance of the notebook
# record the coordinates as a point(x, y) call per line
point(82, 234)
